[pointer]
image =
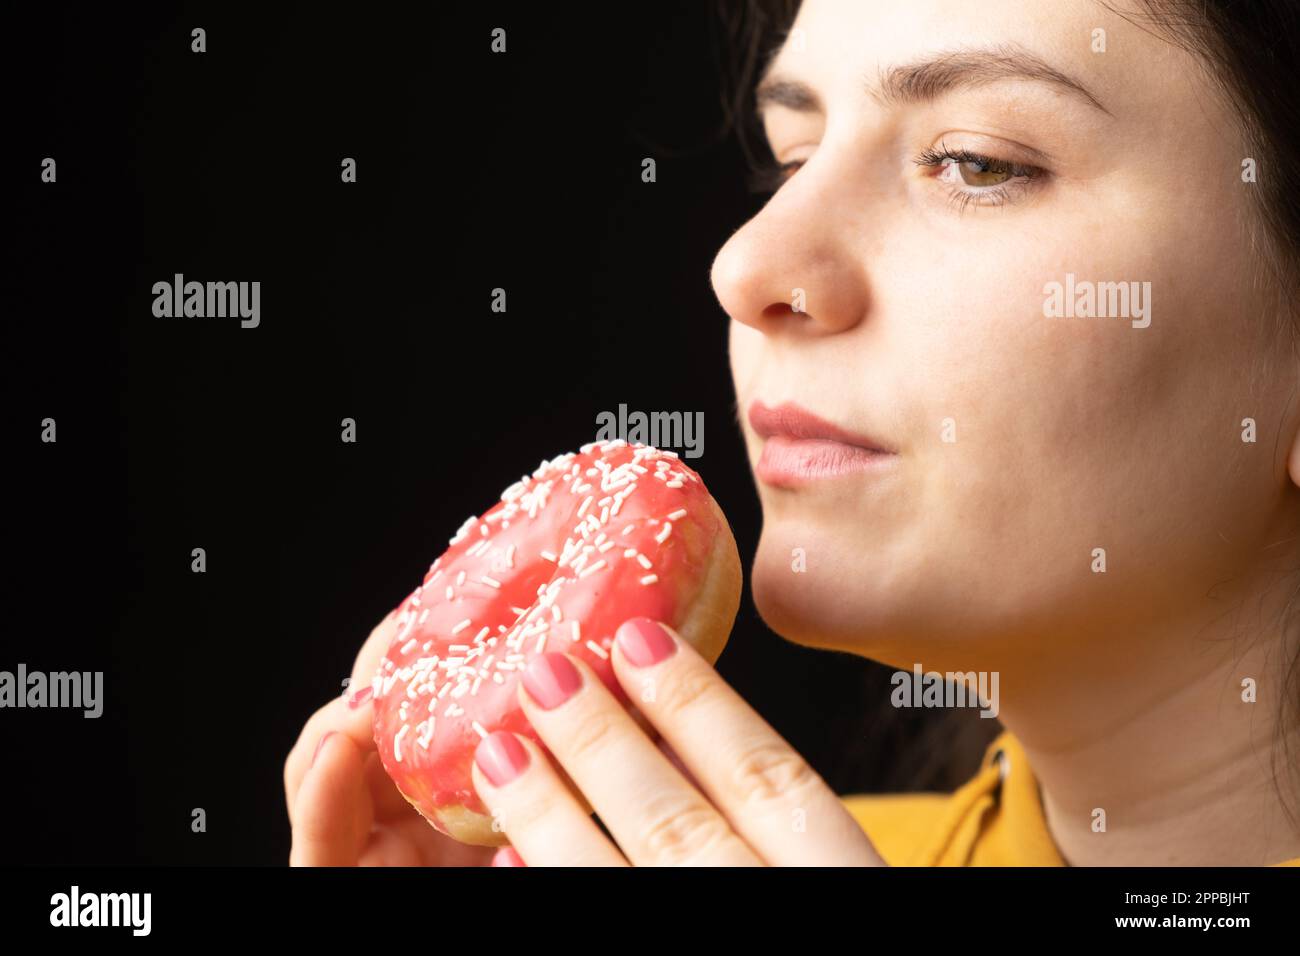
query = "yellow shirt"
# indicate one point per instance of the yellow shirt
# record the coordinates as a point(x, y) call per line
point(994, 819)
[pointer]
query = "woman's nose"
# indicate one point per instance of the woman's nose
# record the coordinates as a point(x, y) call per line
point(790, 270)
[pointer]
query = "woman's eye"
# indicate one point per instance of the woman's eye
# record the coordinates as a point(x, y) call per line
point(982, 172)
point(975, 179)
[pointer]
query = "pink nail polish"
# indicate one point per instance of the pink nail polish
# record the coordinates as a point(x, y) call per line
point(501, 757)
point(321, 743)
point(360, 697)
point(644, 642)
point(507, 856)
point(551, 679)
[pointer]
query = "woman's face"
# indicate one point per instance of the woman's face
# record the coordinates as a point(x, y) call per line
point(1015, 444)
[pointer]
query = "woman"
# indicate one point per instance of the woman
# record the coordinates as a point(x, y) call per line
point(1013, 346)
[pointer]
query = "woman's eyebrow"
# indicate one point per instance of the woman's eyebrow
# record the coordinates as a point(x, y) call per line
point(932, 77)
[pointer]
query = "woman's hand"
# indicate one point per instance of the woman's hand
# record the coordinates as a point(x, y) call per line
point(343, 808)
point(722, 789)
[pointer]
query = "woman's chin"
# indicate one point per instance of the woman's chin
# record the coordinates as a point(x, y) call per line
point(831, 602)
point(814, 609)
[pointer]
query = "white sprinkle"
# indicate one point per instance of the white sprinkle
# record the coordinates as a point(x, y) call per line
point(460, 579)
point(463, 530)
point(510, 556)
point(630, 553)
point(605, 547)
point(556, 614)
point(450, 592)
point(541, 643)
point(598, 650)
point(423, 614)
point(677, 515)
point(629, 529)
point(662, 536)
point(548, 556)
point(406, 648)
point(478, 639)
point(497, 678)
point(591, 568)
point(461, 626)
point(642, 560)
point(490, 582)
point(479, 729)
point(397, 742)
point(483, 530)
point(675, 483)
point(650, 579)
point(585, 505)
point(577, 632)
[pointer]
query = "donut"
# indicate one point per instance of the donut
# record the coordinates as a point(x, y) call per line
point(570, 552)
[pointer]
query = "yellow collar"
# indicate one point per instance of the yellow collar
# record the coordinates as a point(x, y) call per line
point(994, 819)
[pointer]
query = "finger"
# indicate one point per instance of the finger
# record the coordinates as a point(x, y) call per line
point(351, 715)
point(771, 796)
point(546, 824)
point(331, 814)
point(655, 815)
point(335, 717)
point(508, 856)
point(389, 846)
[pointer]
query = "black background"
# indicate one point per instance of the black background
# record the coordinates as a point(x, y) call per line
point(475, 171)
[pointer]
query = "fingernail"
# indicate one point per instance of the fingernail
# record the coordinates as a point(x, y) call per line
point(644, 642)
point(360, 697)
point(551, 679)
point(508, 856)
point(321, 743)
point(501, 757)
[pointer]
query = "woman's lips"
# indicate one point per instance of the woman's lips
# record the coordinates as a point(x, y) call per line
point(799, 447)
